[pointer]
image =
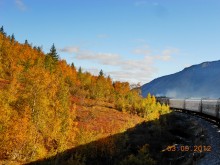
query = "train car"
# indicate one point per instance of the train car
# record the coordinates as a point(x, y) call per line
point(194, 105)
point(177, 103)
point(210, 107)
point(163, 100)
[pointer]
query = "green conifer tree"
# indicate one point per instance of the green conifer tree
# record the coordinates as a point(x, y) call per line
point(53, 53)
point(101, 74)
point(72, 65)
point(26, 42)
point(12, 37)
point(2, 31)
point(80, 70)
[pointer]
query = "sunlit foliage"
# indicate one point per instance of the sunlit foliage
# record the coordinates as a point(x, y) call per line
point(37, 114)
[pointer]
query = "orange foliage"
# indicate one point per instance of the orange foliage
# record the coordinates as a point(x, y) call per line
point(121, 87)
point(37, 115)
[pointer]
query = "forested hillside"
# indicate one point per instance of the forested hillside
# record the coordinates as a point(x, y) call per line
point(47, 105)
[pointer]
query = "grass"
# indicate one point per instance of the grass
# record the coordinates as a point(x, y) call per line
point(99, 120)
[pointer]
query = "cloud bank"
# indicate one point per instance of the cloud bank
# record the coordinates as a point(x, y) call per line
point(70, 49)
point(138, 69)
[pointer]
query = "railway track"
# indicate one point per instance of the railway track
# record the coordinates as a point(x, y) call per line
point(207, 113)
point(212, 129)
point(208, 118)
point(213, 139)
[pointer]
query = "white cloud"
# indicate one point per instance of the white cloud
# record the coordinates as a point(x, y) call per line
point(134, 71)
point(114, 60)
point(144, 50)
point(133, 77)
point(167, 54)
point(100, 57)
point(140, 69)
point(70, 49)
point(20, 4)
point(170, 51)
point(141, 64)
point(164, 55)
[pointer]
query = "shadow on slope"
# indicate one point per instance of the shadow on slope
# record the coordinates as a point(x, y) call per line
point(141, 144)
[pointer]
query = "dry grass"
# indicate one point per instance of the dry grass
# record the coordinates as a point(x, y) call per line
point(97, 119)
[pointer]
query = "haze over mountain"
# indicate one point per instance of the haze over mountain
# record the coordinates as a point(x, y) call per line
point(201, 80)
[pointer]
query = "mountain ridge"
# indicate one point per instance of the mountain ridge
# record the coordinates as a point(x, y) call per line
point(199, 80)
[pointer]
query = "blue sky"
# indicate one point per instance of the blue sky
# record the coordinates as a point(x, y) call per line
point(131, 40)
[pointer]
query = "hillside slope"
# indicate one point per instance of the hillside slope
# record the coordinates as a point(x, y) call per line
point(48, 106)
point(200, 80)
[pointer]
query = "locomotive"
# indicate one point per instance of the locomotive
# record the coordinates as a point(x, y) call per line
point(209, 107)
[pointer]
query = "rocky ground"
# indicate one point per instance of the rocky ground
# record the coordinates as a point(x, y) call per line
point(212, 139)
point(208, 136)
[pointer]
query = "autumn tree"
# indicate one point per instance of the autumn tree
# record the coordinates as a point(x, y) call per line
point(37, 118)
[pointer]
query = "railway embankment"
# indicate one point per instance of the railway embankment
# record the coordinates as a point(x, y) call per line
point(204, 146)
point(189, 139)
point(212, 136)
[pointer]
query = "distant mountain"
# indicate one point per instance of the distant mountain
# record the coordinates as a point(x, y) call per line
point(202, 80)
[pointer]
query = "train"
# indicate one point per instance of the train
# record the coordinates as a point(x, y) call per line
point(205, 106)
